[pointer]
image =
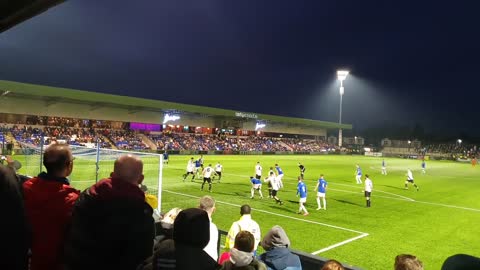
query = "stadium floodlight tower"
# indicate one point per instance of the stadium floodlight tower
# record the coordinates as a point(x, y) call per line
point(341, 75)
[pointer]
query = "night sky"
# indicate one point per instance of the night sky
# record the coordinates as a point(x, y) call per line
point(411, 62)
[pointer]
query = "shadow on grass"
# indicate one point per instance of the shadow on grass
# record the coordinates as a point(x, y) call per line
point(348, 202)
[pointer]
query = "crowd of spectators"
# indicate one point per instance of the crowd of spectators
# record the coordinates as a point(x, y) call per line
point(66, 122)
point(202, 142)
point(72, 136)
point(127, 140)
point(457, 149)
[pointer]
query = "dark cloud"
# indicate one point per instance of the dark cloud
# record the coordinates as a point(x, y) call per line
point(413, 62)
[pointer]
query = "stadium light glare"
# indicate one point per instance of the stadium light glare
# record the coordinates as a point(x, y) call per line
point(459, 141)
point(341, 76)
point(259, 126)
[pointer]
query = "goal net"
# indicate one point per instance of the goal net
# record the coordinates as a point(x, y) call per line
point(93, 164)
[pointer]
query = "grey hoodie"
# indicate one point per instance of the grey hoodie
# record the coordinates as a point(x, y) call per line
point(276, 237)
point(240, 258)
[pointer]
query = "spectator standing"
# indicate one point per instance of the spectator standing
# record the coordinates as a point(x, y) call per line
point(49, 201)
point(15, 238)
point(278, 255)
point(112, 225)
point(245, 223)
point(207, 204)
point(241, 255)
point(191, 234)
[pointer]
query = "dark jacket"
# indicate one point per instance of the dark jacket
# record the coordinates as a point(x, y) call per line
point(112, 228)
point(191, 233)
point(15, 240)
point(281, 258)
point(48, 204)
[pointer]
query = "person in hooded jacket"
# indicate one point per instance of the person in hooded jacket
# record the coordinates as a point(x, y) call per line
point(241, 255)
point(191, 233)
point(278, 255)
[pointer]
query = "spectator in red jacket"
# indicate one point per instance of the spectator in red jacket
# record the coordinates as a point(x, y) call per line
point(49, 200)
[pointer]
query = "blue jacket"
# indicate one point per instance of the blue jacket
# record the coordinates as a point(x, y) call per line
point(281, 258)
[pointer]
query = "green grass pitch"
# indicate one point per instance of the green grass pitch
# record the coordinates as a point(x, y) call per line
point(440, 220)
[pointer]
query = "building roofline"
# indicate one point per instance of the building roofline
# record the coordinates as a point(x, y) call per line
point(49, 93)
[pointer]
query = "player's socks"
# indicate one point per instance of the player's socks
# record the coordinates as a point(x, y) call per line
point(324, 203)
point(318, 203)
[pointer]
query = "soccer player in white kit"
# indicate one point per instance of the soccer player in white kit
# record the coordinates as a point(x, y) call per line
point(218, 171)
point(410, 180)
point(207, 173)
point(258, 170)
point(384, 167)
point(368, 189)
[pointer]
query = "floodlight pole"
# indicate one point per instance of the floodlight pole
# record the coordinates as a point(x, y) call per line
point(341, 75)
point(340, 116)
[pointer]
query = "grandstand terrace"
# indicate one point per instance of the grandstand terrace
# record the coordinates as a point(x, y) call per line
point(81, 117)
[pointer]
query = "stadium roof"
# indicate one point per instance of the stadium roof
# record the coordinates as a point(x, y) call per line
point(13, 12)
point(57, 94)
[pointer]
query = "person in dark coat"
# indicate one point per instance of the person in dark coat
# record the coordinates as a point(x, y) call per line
point(278, 256)
point(461, 262)
point(112, 225)
point(15, 238)
point(191, 233)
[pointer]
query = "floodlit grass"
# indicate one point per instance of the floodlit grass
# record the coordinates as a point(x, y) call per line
point(438, 221)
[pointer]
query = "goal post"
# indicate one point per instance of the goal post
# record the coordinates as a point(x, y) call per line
point(93, 164)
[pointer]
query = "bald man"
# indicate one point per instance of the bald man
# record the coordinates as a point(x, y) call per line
point(112, 225)
point(49, 201)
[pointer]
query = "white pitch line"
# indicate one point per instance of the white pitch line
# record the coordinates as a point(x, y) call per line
point(376, 196)
point(450, 206)
point(376, 190)
point(339, 244)
point(274, 214)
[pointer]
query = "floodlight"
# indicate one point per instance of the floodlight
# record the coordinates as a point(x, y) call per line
point(342, 74)
point(459, 141)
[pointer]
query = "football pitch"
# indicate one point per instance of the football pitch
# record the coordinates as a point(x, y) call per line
point(438, 221)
